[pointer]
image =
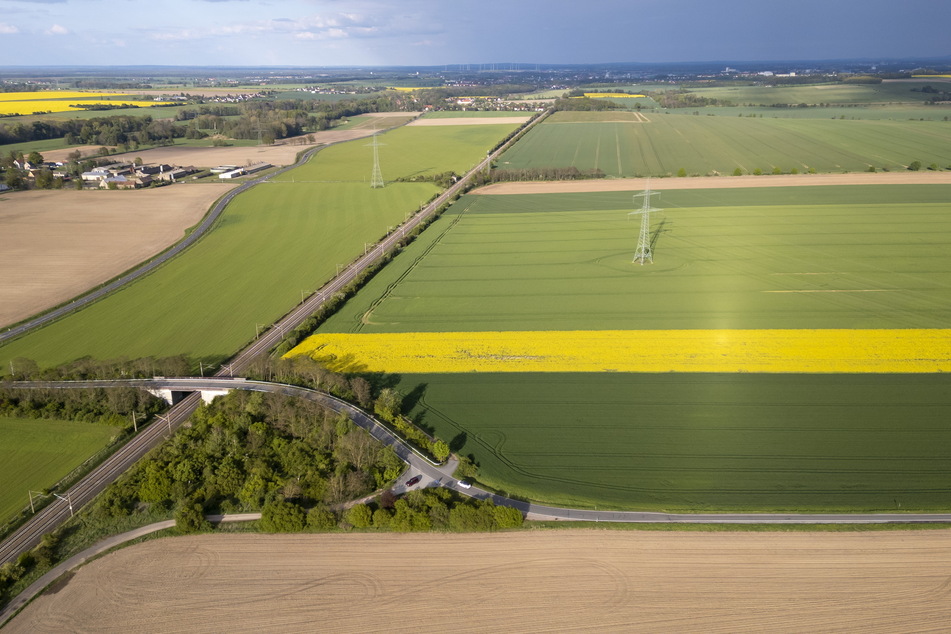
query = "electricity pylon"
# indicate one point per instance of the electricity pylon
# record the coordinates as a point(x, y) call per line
point(642, 253)
point(376, 178)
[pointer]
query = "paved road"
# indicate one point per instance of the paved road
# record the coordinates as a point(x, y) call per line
point(441, 475)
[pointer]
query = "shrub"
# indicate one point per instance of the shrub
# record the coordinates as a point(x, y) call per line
point(280, 516)
point(507, 517)
point(189, 518)
point(360, 516)
point(321, 519)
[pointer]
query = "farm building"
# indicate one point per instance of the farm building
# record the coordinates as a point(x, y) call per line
point(235, 173)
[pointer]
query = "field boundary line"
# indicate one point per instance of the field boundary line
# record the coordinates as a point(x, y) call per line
point(716, 182)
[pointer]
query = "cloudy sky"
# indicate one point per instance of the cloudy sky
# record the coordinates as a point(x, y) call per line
point(437, 32)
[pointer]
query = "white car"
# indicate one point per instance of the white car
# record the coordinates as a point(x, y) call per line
point(464, 484)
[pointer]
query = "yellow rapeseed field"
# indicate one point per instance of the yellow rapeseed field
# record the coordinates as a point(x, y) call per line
point(25, 103)
point(810, 351)
point(608, 95)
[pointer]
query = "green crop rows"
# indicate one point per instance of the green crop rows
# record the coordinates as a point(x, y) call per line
point(693, 442)
point(272, 243)
point(36, 453)
point(707, 145)
point(728, 258)
point(676, 441)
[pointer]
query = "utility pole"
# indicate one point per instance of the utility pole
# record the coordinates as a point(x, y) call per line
point(67, 500)
point(38, 493)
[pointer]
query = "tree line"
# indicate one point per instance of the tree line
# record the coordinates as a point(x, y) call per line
point(113, 406)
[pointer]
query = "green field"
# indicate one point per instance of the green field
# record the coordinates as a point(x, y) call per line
point(709, 145)
point(888, 92)
point(726, 258)
point(892, 112)
point(272, 243)
point(723, 259)
point(36, 453)
point(678, 442)
point(470, 114)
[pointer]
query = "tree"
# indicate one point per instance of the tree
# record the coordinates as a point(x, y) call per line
point(682, 172)
point(468, 518)
point(157, 486)
point(914, 166)
point(14, 178)
point(440, 450)
point(190, 518)
point(45, 553)
point(361, 391)
point(321, 519)
point(279, 516)
point(388, 404)
point(507, 517)
point(382, 518)
point(738, 172)
point(360, 516)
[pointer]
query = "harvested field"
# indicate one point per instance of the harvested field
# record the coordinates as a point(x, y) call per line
point(524, 581)
point(716, 182)
point(56, 244)
point(469, 121)
point(284, 153)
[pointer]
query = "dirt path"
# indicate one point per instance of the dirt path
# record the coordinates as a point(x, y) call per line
point(523, 581)
point(718, 182)
point(55, 245)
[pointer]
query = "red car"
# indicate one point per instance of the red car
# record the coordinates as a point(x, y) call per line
point(413, 480)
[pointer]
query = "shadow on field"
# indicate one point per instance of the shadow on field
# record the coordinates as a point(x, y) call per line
point(661, 228)
point(456, 444)
point(411, 400)
point(379, 381)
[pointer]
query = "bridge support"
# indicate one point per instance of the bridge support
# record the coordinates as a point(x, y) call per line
point(173, 397)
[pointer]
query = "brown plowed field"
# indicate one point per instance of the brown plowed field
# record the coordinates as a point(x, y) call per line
point(717, 182)
point(56, 244)
point(283, 153)
point(524, 581)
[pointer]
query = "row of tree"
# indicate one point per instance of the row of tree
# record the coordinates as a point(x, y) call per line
point(26, 369)
point(112, 406)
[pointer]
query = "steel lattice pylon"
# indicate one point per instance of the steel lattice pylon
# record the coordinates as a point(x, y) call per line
point(642, 253)
point(376, 178)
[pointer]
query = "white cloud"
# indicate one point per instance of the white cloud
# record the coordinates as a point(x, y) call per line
point(56, 29)
point(315, 27)
point(8, 29)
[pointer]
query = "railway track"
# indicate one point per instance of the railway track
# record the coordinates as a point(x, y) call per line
point(58, 511)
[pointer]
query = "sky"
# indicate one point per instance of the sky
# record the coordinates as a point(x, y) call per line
point(442, 32)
